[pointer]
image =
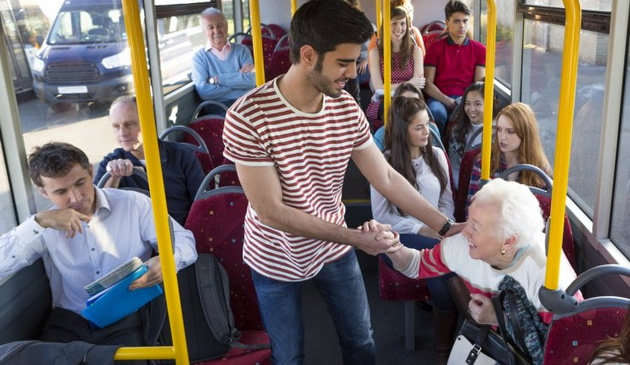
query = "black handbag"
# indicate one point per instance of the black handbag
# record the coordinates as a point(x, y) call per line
point(480, 345)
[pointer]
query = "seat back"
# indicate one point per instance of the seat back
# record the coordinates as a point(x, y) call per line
point(280, 61)
point(199, 109)
point(465, 171)
point(194, 141)
point(220, 176)
point(216, 221)
point(210, 129)
point(574, 335)
point(136, 172)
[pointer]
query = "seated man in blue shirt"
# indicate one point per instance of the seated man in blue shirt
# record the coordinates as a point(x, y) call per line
point(181, 168)
point(222, 71)
point(88, 232)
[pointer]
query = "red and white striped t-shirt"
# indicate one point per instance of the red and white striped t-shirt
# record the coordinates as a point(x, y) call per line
point(310, 152)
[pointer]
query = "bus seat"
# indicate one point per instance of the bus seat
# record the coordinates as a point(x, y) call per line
point(135, 172)
point(216, 220)
point(277, 30)
point(25, 304)
point(431, 37)
point(280, 61)
point(195, 142)
point(210, 128)
point(394, 286)
point(433, 26)
point(573, 336)
point(220, 176)
point(465, 170)
point(237, 356)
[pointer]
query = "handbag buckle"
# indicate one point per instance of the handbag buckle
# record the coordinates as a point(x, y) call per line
point(473, 354)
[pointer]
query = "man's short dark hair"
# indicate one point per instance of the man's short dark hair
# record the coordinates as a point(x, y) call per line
point(55, 159)
point(325, 24)
point(455, 6)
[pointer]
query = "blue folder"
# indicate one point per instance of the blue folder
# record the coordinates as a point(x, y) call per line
point(118, 301)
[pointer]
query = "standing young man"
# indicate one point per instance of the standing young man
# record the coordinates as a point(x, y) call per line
point(291, 140)
point(452, 63)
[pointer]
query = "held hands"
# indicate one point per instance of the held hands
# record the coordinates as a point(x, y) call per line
point(152, 277)
point(68, 220)
point(481, 309)
point(378, 238)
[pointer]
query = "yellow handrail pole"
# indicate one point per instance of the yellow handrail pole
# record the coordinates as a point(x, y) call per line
point(387, 60)
point(379, 16)
point(158, 200)
point(488, 99)
point(259, 62)
point(566, 103)
point(293, 7)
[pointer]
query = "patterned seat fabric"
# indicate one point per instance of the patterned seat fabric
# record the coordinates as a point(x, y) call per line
point(572, 339)
point(394, 286)
point(238, 356)
point(217, 224)
point(210, 128)
point(568, 245)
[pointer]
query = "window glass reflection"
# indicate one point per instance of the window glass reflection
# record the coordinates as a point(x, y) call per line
point(603, 5)
point(7, 213)
point(620, 221)
point(504, 41)
point(542, 58)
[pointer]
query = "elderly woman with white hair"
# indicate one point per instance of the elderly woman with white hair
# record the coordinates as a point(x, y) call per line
point(503, 237)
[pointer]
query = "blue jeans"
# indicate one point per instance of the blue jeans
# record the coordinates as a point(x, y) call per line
point(341, 285)
point(438, 286)
point(440, 113)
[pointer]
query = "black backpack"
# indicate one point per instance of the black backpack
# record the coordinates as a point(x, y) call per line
point(208, 320)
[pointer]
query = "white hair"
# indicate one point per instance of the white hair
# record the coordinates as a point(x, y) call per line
point(519, 211)
point(211, 12)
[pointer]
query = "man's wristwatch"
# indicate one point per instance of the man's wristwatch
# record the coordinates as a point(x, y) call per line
point(212, 80)
point(446, 227)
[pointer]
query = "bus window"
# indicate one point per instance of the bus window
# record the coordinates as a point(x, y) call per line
point(7, 214)
point(603, 5)
point(505, 34)
point(620, 220)
point(542, 58)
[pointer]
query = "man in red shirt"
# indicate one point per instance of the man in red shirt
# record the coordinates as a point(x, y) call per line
point(452, 63)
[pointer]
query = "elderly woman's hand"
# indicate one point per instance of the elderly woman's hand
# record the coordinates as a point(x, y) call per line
point(482, 310)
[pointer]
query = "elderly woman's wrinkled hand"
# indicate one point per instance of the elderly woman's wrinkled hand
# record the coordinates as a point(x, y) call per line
point(481, 309)
point(378, 238)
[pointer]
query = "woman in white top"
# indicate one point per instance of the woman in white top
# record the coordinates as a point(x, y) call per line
point(410, 151)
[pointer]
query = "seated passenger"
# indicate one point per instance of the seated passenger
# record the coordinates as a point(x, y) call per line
point(466, 123)
point(452, 63)
point(406, 63)
point(503, 243)
point(516, 141)
point(222, 71)
point(353, 85)
point(615, 351)
point(88, 233)
point(416, 35)
point(181, 170)
point(410, 152)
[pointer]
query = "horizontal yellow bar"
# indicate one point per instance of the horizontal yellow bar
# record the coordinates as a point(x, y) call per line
point(145, 353)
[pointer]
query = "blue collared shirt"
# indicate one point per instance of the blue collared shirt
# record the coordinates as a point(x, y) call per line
point(122, 227)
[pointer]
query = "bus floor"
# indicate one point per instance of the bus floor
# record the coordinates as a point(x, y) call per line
point(321, 341)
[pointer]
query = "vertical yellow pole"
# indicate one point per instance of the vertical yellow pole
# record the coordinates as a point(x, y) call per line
point(566, 104)
point(259, 62)
point(179, 350)
point(379, 16)
point(491, 41)
point(293, 7)
point(387, 60)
